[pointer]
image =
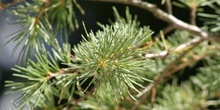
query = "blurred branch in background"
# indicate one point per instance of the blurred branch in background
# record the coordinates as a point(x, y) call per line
point(6, 5)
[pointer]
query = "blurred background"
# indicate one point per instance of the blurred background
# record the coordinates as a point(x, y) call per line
point(95, 12)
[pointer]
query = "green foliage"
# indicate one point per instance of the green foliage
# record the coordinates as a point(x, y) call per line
point(102, 100)
point(36, 88)
point(42, 22)
point(42, 81)
point(62, 16)
point(30, 35)
point(110, 57)
point(110, 69)
point(209, 71)
point(212, 20)
point(200, 92)
point(178, 98)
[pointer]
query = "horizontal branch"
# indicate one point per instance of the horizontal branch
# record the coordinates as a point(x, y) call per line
point(160, 14)
point(181, 47)
point(176, 49)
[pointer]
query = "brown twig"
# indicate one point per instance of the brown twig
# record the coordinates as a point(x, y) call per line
point(4, 6)
point(169, 6)
point(193, 10)
point(63, 71)
point(181, 47)
point(42, 10)
point(176, 49)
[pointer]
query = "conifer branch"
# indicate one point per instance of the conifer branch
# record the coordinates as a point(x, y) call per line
point(160, 14)
point(181, 47)
point(172, 68)
point(42, 10)
point(172, 20)
point(110, 60)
